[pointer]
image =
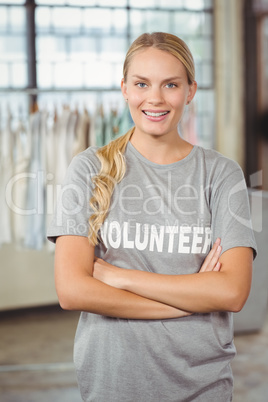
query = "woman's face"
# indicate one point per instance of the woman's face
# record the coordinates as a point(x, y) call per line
point(157, 91)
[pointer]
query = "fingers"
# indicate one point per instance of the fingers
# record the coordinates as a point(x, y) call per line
point(217, 267)
point(211, 262)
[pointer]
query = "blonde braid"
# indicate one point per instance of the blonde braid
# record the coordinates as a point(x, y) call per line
point(112, 171)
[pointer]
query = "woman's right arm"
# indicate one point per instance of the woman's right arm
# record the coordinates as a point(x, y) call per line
point(78, 290)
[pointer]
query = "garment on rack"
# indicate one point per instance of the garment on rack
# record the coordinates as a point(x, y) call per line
point(51, 157)
point(35, 220)
point(6, 173)
point(35, 154)
point(19, 187)
point(112, 126)
point(81, 130)
point(125, 121)
point(100, 126)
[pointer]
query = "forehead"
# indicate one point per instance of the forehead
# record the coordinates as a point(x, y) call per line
point(155, 61)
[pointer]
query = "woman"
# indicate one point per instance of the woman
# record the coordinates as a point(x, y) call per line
point(134, 227)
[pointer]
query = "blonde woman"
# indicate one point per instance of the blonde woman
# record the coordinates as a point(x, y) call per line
point(154, 246)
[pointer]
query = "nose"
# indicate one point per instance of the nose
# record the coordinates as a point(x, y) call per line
point(155, 96)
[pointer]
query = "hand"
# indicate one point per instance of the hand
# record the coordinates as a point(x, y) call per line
point(211, 262)
point(106, 273)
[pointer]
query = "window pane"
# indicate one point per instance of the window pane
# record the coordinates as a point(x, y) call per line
point(44, 75)
point(51, 2)
point(19, 74)
point(137, 22)
point(197, 4)
point(198, 71)
point(118, 74)
point(207, 26)
point(113, 49)
point(119, 18)
point(157, 21)
point(114, 3)
point(83, 48)
point(66, 19)
point(68, 75)
point(206, 101)
point(187, 23)
point(81, 2)
point(13, 48)
point(201, 48)
point(207, 75)
point(17, 19)
point(3, 18)
point(98, 20)
point(101, 70)
point(4, 76)
point(50, 48)
point(12, 1)
point(42, 18)
point(142, 3)
point(171, 4)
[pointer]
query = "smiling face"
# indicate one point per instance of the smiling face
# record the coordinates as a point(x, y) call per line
point(157, 91)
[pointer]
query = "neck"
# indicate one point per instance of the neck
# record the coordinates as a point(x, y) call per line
point(161, 149)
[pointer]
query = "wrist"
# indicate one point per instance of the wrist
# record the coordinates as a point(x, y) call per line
point(124, 279)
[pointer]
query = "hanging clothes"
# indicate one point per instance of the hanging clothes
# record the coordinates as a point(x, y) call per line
point(112, 126)
point(19, 187)
point(34, 157)
point(125, 121)
point(100, 126)
point(63, 146)
point(51, 157)
point(6, 173)
point(35, 219)
point(82, 131)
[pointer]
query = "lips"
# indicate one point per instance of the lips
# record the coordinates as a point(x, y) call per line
point(156, 116)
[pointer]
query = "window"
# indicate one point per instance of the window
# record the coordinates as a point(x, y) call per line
point(80, 48)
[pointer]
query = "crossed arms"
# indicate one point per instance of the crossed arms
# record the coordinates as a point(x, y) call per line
point(87, 284)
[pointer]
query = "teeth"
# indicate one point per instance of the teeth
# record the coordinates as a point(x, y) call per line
point(155, 114)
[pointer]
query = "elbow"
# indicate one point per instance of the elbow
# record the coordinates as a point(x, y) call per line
point(66, 302)
point(237, 302)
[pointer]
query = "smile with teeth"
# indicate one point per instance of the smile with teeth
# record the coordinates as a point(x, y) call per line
point(153, 114)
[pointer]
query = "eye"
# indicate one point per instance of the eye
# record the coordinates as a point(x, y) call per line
point(171, 85)
point(141, 84)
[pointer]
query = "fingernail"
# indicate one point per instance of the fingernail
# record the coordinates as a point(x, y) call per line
point(219, 248)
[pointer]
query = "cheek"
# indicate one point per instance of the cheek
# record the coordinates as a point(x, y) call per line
point(135, 99)
point(178, 102)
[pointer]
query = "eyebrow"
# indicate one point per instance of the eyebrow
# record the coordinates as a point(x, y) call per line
point(140, 77)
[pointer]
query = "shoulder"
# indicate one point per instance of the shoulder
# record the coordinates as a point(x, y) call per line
point(215, 162)
point(83, 167)
point(86, 160)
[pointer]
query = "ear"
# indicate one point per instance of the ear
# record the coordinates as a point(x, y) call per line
point(124, 89)
point(192, 92)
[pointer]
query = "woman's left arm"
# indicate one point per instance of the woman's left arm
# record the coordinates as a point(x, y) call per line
point(203, 292)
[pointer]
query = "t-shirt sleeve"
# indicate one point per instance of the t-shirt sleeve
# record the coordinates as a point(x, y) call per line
point(231, 219)
point(73, 210)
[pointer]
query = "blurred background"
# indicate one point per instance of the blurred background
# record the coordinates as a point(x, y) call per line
point(60, 72)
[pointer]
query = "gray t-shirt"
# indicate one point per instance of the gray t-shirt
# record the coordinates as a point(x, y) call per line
point(163, 218)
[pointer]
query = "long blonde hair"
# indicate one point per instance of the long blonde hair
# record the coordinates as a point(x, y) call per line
point(111, 156)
